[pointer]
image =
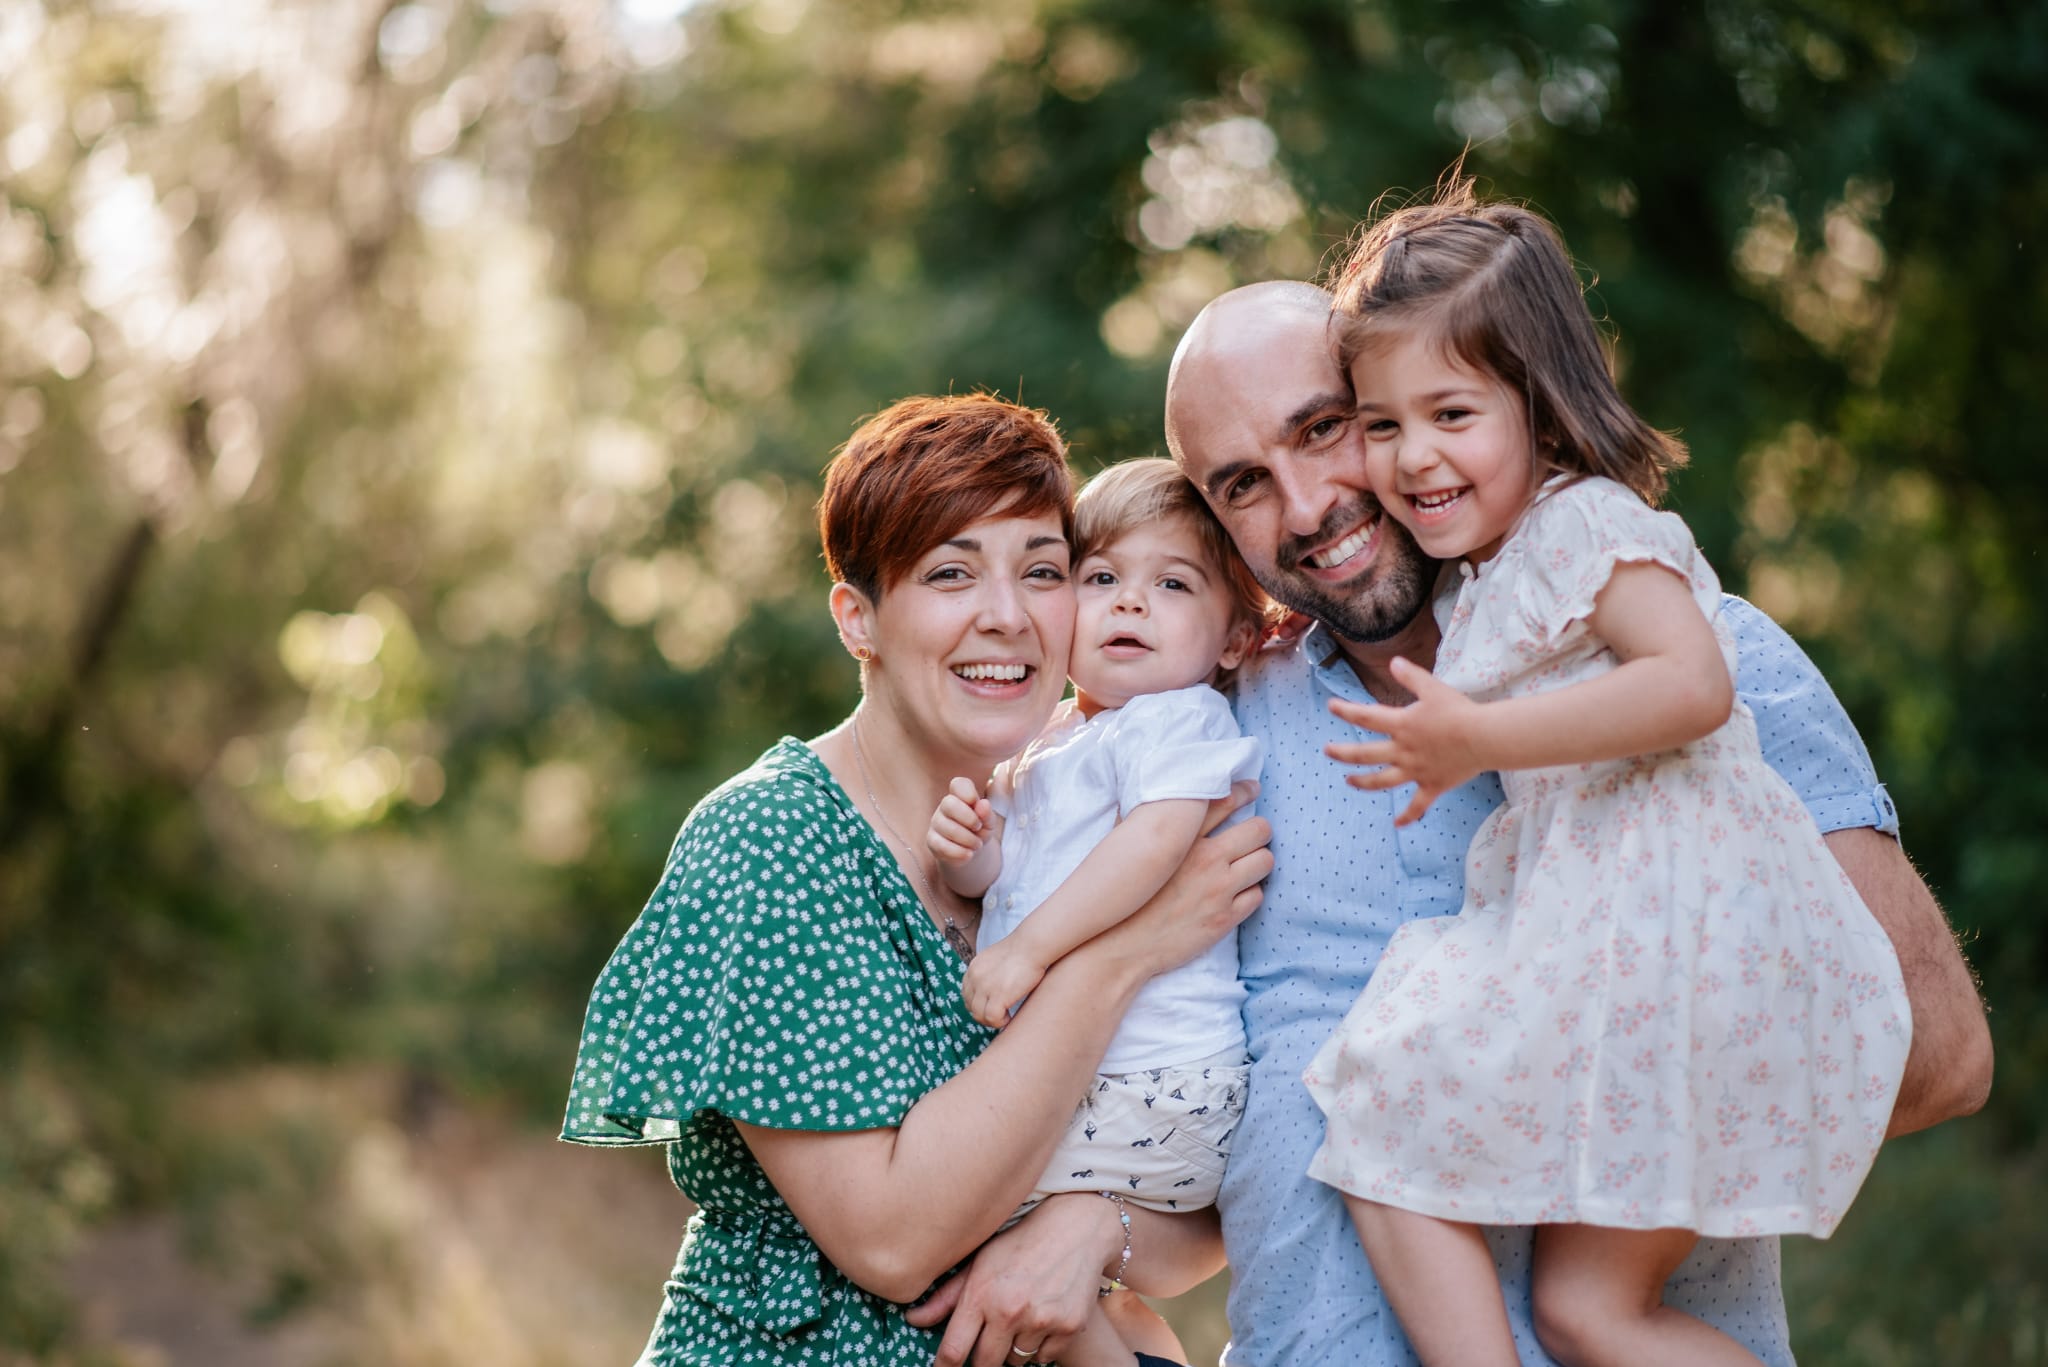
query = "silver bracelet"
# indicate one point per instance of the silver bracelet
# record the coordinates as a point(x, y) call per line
point(1123, 1214)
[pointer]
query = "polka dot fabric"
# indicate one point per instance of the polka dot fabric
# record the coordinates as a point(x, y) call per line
point(783, 973)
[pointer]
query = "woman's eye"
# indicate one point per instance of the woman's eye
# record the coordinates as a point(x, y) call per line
point(946, 574)
point(1047, 574)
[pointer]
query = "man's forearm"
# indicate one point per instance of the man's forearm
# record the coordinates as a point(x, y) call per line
point(1948, 1072)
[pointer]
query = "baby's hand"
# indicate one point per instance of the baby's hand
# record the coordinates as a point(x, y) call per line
point(1428, 743)
point(1000, 976)
point(960, 825)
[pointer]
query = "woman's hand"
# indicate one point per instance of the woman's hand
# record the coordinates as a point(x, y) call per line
point(1031, 1287)
point(1429, 743)
point(1213, 891)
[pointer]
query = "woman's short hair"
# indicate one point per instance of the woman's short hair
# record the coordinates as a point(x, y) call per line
point(1139, 493)
point(923, 469)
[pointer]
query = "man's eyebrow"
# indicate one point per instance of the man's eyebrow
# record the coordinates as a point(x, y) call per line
point(1321, 403)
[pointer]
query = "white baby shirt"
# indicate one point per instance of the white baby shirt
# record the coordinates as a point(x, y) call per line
point(1068, 789)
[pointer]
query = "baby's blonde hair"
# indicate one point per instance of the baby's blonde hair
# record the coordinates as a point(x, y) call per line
point(1138, 493)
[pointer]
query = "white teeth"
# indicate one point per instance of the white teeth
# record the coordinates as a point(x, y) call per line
point(991, 673)
point(1345, 549)
point(1430, 503)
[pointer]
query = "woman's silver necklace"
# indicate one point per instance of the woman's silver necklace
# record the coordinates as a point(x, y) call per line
point(956, 938)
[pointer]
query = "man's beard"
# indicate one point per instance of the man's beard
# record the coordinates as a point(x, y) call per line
point(1375, 608)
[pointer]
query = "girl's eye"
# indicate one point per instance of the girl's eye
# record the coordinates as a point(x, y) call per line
point(1176, 585)
point(1381, 427)
point(1100, 579)
point(1454, 415)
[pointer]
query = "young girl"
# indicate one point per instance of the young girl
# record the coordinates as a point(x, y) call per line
point(1663, 1011)
point(1085, 825)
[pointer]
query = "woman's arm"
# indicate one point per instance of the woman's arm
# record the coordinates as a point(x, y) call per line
point(1671, 687)
point(1036, 1283)
point(1119, 875)
point(894, 1208)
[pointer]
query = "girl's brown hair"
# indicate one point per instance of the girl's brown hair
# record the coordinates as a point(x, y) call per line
point(1495, 287)
point(923, 469)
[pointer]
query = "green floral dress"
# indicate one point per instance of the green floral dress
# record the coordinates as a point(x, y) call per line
point(784, 974)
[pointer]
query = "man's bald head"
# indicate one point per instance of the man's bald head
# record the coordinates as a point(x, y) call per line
point(1231, 323)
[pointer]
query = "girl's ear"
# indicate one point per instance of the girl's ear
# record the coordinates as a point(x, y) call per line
point(1241, 642)
point(854, 615)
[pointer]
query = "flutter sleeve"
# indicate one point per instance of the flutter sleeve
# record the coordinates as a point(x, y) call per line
point(762, 981)
point(1182, 744)
point(1575, 534)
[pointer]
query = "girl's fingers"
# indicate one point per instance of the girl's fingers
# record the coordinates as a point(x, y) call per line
point(1360, 751)
point(1419, 805)
point(1371, 716)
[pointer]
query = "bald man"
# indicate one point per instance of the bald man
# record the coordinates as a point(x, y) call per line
point(1261, 420)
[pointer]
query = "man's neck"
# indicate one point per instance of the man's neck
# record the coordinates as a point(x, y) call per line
point(1372, 661)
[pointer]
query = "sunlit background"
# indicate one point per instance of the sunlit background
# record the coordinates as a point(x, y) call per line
point(410, 418)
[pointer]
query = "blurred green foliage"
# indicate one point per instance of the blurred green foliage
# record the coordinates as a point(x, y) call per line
point(410, 416)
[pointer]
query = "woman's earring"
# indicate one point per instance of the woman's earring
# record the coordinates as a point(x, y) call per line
point(863, 654)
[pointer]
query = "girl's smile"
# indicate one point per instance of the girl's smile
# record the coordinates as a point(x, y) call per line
point(1447, 446)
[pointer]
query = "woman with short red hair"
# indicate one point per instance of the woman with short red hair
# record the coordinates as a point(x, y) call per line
point(786, 1012)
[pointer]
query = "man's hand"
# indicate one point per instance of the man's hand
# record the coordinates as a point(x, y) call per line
point(1000, 976)
point(960, 825)
point(1429, 743)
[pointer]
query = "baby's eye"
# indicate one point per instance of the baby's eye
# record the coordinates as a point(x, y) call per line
point(1101, 579)
point(1176, 585)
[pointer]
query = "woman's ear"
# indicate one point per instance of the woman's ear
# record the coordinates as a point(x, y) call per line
point(854, 616)
point(1241, 642)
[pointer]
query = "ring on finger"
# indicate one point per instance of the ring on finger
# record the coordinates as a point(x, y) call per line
point(1026, 1354)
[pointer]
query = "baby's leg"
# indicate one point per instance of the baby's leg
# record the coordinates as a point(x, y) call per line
point(1140, 1329)
point(1099, 1344)
point(1439, 1277)
point(1599, 1299)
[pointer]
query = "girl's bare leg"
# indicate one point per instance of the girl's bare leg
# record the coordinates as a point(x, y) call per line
point(1599, 1300)
point(1141, 1330)
point(1439, 1277)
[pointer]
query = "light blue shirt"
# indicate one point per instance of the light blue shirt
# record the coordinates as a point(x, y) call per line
point(1344, 879)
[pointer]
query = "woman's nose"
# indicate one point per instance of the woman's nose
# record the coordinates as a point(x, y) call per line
point(1002, 609)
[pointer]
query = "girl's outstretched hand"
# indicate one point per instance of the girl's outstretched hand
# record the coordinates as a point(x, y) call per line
point(1431, 743)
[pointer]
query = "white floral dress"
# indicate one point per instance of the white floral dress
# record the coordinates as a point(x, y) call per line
point(1663, 1005)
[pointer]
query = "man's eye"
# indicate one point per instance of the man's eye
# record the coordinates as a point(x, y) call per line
point(1242, 487)
point(1326, 427)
